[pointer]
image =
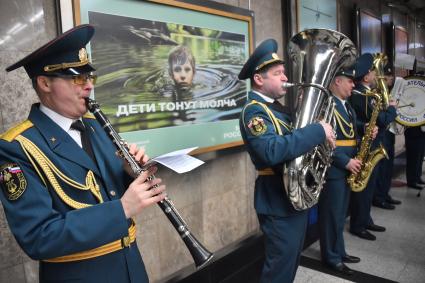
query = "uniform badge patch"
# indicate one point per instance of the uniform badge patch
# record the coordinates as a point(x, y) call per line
point(12, 180)
point(257, 126)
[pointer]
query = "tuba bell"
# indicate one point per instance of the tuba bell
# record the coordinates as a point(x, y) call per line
point(316, 55)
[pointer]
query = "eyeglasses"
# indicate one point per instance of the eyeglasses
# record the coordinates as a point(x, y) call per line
point(80, 79)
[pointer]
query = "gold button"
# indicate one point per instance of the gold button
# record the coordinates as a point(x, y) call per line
point(112, 193)
point(125, 242)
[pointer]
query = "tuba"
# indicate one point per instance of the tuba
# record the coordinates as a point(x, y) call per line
point(316, 55)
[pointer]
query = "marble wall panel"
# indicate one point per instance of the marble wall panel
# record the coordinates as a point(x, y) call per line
point(16, 92)
point(250, 176)
point(183, 189)
point(31, 271)
point(174, 254)
point(148, 243)
point(223, 174)
point(11, 253)
point(3, 221)
point(226, 219)
point(15, 274)
point(26, 25)
point(149, 213)
point(268, 22)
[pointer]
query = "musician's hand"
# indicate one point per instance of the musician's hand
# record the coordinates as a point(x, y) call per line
point(375, 132)
point(392, 102)
point(139, 155)
point(330, 135)
point(141, 194)
point(354, 165)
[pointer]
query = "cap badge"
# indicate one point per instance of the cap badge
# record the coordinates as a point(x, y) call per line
point(82, 54)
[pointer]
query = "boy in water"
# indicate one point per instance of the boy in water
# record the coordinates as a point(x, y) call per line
point(181, 65)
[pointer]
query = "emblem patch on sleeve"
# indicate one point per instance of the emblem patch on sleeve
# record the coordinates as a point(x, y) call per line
point(12, 180)
point(257, 126)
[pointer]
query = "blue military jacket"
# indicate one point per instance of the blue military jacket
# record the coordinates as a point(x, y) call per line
point(363, 106)
point(259, 125)
point(41, 217)
point(346, 130)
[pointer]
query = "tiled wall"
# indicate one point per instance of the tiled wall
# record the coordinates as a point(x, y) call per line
point(24, 26)
point(216, 199)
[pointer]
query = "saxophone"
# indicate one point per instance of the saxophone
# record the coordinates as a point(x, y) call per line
point(379, 61)
point(358, 181)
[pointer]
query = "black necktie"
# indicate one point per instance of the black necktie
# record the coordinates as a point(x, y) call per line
point(347, 109)
point(79, 126)
point(276, 105)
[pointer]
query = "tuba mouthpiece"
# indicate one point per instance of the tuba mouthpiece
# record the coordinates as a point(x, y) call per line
point(287, 85)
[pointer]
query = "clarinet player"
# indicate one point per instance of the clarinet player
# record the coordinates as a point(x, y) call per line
point(68, 199)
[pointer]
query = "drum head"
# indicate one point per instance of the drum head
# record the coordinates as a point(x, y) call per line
point(411, 102)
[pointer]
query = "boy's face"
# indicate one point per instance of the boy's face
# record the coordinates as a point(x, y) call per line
point(182, 75)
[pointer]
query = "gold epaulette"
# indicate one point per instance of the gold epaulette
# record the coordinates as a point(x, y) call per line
point(100, 251)
point(89, 116)
point(15, 131)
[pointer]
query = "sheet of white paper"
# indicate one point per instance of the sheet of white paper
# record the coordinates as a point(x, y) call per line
point(181, 163)
point(178, 160)
point(398, 88)
point(179, 152)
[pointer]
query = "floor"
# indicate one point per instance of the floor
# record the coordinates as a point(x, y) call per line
point(397, 254)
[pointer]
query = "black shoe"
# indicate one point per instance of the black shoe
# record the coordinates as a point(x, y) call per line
point(341, 268)
point(350, 259)
point(383, 204)
point(420, 182)
point(364, 235)
point(390, 200)
point(376, 228)
point(414, 186)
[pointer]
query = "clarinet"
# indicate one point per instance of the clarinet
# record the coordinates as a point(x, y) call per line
point(201, 256)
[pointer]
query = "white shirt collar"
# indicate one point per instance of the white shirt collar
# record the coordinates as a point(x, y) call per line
point(62, 121)
point(266, 98)
point(342, 100)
